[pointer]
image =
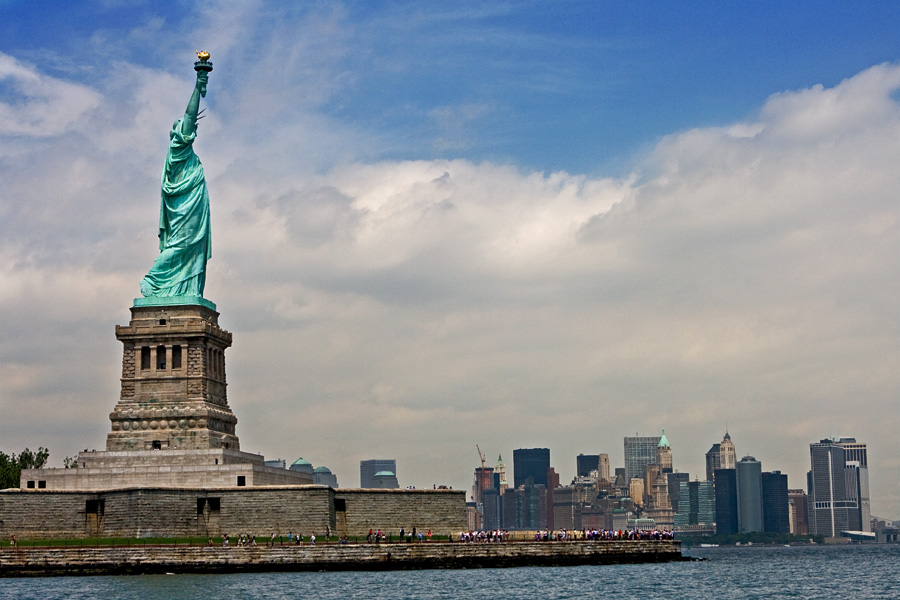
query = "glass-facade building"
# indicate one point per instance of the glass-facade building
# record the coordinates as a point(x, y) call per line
point(749, 479)
point(697, 504)
point(585, 463)
point(533, 463)
point(639, 452)
point(838, 487)
point(726, 501)
point(674, 481)
point(775, 504)
point(369, 468)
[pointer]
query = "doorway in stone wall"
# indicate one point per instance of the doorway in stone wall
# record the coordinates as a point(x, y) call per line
point(93, 516)
point(340, 517)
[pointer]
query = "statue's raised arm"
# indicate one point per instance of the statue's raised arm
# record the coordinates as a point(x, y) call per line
point(192, 112)
point(185, 238)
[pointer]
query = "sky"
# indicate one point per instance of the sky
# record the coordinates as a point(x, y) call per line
point(436, 225)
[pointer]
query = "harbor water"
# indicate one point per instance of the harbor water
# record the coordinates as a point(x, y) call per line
point(848, 572)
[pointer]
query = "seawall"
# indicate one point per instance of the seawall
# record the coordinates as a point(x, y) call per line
point(24, 562)
point(203, 512)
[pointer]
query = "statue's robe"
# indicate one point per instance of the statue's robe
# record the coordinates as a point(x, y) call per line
point(185, 238)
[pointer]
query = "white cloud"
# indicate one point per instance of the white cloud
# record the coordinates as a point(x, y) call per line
point(747, 274)
point(39, 105)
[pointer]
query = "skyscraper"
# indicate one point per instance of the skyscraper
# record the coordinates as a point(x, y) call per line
point(798, 502)
point(484, 480)
point(324, 476)
point(675, 480)
point(636, 490)
point(726, 501)
point(697, 504)
point(775, 507)
point(749, 479)
point(491, 511)
point(639, 452)
point(531, 462)
point(838, 487)
point(604, 467)
point(664, 454)
point(720, 456)
point(585, 463)
point(368, 469)
point(500, 476)
point(857, 464)
point(385, 480)
point(525, 507)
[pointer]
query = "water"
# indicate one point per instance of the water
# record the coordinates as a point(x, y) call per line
point(852, 572)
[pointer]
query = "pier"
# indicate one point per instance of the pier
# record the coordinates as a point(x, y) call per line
point(141, 560)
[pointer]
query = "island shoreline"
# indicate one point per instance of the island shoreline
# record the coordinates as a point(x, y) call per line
point(146, 560)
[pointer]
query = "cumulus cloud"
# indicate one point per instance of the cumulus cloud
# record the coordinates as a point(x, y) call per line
point(39, 105)
point(744, 274)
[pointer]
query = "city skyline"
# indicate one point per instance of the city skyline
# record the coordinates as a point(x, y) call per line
point(517, 225)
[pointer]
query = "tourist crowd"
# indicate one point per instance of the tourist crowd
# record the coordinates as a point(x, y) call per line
point(377, 536)
point(566, 535)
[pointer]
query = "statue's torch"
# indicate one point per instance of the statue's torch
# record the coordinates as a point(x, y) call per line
point(203, 65)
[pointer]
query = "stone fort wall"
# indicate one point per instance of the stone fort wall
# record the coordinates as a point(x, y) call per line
point(261, 511)
point(183, 559)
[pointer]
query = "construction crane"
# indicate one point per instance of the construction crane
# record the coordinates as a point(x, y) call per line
point(481, 456)
point(481, 481)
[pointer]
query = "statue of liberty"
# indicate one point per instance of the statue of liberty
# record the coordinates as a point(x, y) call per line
point(185, 238)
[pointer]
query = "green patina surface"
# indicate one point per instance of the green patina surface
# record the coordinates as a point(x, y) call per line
point(175, 301)
point(185, 236)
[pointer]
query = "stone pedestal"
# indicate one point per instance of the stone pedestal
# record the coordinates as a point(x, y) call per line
point(173, 382)
point(172, 426)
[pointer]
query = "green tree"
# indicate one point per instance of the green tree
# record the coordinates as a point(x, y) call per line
point(11, 465)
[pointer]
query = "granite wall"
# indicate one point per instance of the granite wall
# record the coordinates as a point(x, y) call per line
point(427, 555)
point(162, 512)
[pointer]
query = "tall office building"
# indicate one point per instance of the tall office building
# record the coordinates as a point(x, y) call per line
point(664, 454)
point(500, 476)
point(636, 491)
point(604, 467)
point(857, 464)
point(525, 507)
point(838, 484)
point(639, 452)
point(385, 480)
point(484, 480)
point(749, 479)
point(775, 506)
point(797, 501)
point(697, 504)
point(675, 480)
point(585, 463)
point(369, 468)
point(324, 476)
point(491, 509)
point(552, 479)
point(727, 522)
point(659, 508)
point(566, 508)
point(720, 456)
point(533, 463)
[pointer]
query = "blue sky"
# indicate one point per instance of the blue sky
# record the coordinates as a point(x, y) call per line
point(575, 86)
point(517, 224)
